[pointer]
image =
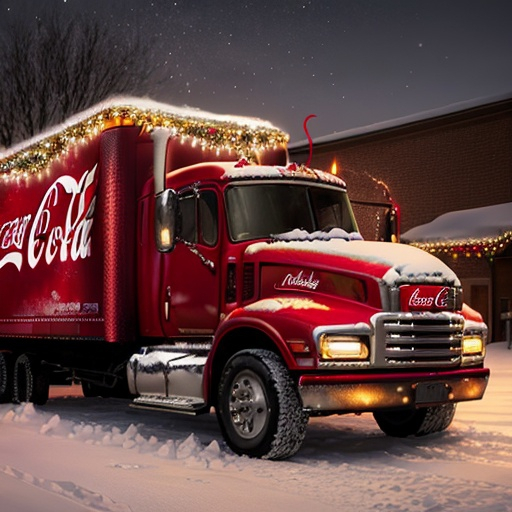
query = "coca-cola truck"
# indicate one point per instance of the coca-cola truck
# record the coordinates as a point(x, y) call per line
point(177, 257)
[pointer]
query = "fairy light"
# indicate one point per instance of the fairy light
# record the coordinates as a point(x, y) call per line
point(474, 247)
point(246, 140)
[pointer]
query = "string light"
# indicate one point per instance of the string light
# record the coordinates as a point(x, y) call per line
point(246, 140)
point(486, 247)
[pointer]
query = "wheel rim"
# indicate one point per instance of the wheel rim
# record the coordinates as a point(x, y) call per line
point(248, 405)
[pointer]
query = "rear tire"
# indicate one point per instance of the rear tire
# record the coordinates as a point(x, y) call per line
point(30, 381)
point(415, 422)
point(259, 409)
point(6, 370)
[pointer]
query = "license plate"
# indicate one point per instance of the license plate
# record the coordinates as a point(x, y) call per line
point(432, 393)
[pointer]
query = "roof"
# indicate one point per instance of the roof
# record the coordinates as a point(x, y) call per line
point(481, 231)
point(426, 115)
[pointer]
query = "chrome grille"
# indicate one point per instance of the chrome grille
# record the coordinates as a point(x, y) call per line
point(419, 339)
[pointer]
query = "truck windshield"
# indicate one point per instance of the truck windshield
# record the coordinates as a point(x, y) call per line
point(260, 210)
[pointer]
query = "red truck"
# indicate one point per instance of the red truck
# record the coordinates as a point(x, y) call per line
point(177, 257)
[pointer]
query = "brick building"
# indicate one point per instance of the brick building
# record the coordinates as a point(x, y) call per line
point(455, 158)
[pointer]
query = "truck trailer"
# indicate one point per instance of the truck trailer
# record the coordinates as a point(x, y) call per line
point(177, 258)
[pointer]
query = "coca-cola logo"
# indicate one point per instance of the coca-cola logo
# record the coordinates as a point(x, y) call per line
point(300, 280)
point(421, 299)
point(49, 236)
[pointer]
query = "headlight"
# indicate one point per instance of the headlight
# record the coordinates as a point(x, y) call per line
point(348, 348)
point(472, 345)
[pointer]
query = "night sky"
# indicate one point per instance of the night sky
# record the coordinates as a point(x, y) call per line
point(350, 62)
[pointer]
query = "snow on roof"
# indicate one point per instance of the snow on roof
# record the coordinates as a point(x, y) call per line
point(139, 109)
point(475, 223)
point(487, 229)
point(401, 121)
point(210, 130)
point(242, 170)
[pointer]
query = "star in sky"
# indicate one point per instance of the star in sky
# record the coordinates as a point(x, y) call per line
point(350, 62)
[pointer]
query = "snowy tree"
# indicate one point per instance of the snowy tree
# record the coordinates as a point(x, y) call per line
point(58, 66)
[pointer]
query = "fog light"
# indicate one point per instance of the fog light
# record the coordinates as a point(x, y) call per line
point(350, 348)
point(472, 345)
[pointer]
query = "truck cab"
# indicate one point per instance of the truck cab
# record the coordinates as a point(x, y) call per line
point(263, 265)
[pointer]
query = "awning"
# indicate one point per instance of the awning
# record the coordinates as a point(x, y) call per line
point(477, 232)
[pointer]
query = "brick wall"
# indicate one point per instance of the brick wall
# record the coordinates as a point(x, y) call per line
point(431, 167)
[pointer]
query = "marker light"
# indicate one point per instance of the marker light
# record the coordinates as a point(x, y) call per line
point(165, 237)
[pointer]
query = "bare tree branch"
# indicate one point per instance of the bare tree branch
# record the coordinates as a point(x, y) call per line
point(54, 68)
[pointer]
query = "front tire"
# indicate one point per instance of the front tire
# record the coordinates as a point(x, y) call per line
point(258, 407)
point(92, 390)
point(415, 422)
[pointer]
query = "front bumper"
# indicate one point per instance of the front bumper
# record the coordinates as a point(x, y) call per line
point(371, 392)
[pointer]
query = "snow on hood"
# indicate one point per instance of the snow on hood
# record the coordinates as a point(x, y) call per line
point(412, 265)
point(398, 263)
point(279, 303)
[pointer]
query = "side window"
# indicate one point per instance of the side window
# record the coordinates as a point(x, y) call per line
point(208, 217)
point(199, 218)
point(188, 219)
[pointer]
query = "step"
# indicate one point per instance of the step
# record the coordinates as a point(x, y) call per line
point(182, 404)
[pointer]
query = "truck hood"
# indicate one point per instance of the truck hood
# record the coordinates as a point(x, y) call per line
point(395, 264)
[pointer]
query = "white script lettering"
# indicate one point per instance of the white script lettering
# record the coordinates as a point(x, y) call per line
point(301, 281)
point(12, 234)
point(440, 300)
point(76, 231)
point(51, 234)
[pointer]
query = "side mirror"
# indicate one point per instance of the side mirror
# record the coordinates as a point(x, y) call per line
point(166, 204)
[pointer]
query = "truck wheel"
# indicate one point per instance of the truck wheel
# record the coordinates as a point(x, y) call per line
point(30, 382)
point(259, 410)
point(415, 422)
point(119, 389)
point(5, 378)
point(90, 390)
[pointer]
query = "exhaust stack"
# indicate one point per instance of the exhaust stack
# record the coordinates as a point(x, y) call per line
point(160, 137)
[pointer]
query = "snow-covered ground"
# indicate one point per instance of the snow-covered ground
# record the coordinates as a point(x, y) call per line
point(79, 455)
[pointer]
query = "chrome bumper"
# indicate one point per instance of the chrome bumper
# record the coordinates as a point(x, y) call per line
point(370, 392)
